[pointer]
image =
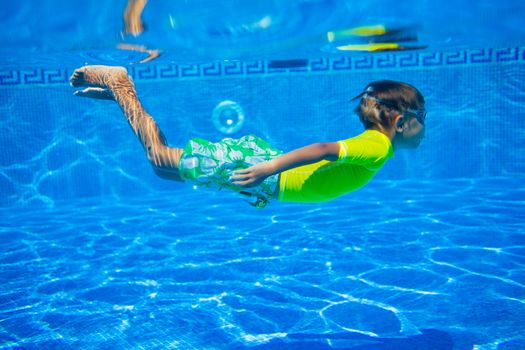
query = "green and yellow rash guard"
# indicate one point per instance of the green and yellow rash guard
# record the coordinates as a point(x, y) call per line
point(360, 158)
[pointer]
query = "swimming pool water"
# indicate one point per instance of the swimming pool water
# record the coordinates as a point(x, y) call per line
point(96, 252)
point(204, 31)
point(438, 265)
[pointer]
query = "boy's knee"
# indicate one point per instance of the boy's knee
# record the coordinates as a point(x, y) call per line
point(163, 157)
point(154, 156)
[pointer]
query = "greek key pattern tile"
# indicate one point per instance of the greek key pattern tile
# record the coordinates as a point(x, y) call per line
point(377, 61)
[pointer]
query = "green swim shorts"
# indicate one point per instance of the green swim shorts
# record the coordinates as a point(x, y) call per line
point(211, 164)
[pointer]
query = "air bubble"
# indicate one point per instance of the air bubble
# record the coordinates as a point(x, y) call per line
point(228, 117)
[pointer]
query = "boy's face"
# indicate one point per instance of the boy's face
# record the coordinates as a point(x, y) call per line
point(411, 135)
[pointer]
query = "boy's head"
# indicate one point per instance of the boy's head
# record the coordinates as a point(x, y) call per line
point(395, 108)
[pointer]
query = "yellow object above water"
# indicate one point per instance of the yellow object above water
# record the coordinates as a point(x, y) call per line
point(358, 31)
point(370, 47)
point(374, 38)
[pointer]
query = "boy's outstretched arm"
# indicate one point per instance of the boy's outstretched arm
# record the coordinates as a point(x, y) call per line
point(313, 153)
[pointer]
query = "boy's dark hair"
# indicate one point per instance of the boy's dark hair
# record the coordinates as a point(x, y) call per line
point(397, 97)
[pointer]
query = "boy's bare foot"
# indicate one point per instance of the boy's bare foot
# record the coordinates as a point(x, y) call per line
point(99, 76)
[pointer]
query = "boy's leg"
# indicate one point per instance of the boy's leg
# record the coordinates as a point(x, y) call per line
point(132, 17)
point(107, 81)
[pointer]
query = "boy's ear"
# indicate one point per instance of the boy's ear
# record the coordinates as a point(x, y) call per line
point(399, 122)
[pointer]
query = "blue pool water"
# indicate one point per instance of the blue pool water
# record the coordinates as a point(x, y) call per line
point(96, 252)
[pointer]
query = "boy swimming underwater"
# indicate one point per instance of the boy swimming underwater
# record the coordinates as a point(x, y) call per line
point(392, 113)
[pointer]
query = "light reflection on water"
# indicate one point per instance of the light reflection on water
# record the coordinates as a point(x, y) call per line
point(420, 262)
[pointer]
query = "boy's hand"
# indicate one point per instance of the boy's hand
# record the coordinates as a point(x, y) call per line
point(252, 176)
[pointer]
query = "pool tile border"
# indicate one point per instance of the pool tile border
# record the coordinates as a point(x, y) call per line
point(391, 60)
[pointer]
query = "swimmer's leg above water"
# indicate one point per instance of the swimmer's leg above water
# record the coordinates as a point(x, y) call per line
point(113, 83)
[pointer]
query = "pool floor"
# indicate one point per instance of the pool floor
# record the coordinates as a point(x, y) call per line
point(396, 265)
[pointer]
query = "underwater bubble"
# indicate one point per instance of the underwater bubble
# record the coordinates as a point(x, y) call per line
point(228, 117)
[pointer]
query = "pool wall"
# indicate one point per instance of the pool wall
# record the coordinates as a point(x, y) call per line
point(55, 146)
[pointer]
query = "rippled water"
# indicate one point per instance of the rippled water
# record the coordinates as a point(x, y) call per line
point(423, 265)
point(88, 261)
point(203, 30)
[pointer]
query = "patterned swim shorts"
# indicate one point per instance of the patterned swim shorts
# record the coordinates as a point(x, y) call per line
point(211, 164)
